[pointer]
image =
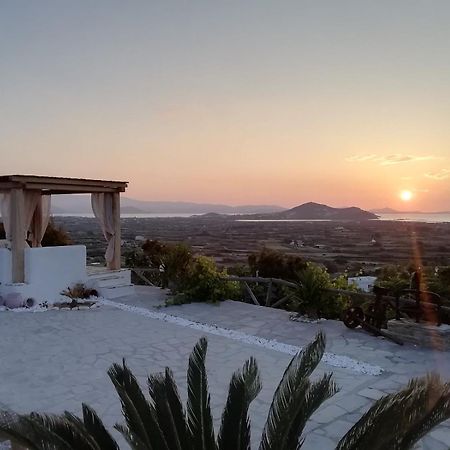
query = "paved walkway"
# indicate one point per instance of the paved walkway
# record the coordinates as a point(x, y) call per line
point(54, 360)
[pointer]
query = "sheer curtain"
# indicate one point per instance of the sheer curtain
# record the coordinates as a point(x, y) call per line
point(36, 215)
point(40, 220)
point(5, 211)
point(30, 203)
point(102, 205)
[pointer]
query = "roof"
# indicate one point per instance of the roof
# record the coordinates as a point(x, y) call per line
point(60, 185)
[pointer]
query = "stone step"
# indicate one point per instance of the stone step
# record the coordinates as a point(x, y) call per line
point(116, 291)
point(110, 282)
point(115, 278)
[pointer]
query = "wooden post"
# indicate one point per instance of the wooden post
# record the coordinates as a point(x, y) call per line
point(115, 263)
point(17, 235)
point(252, 295)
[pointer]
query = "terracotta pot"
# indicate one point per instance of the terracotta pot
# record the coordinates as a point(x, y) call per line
point(14, 300)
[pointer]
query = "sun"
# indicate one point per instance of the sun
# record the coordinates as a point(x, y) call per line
point(406, 196)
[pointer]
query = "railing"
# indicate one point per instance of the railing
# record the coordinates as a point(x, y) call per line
point(270, 282)
point(143, 274)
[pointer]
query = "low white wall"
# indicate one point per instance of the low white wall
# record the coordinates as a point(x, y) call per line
point(50, 270)
point(5, 265)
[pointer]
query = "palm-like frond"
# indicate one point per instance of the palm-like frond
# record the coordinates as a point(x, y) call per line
point(142, 430)
point(235, 427)
point(96, 428)
point(309, 287)
point(199, 418)
point(296, 399)
point(397, 421)
point(44, 432)
point(169, 410)
point(437, 409)
point(20, 430)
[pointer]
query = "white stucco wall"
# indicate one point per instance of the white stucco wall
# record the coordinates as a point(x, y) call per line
point(49, 270)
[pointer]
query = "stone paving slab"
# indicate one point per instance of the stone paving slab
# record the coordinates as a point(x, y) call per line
point(53, 361)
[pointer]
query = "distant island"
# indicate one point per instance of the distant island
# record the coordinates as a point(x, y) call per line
point(81, 204)
point(388, 210)
point(317, 211)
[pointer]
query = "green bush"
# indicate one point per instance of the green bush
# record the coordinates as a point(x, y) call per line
point(311, 296)
point(54, 236)
point(174, 260)
point(205, 282)
point(177, 261)
point(137, 259)
point(273, 264)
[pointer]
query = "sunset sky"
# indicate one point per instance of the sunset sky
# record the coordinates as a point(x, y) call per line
point(238, 102)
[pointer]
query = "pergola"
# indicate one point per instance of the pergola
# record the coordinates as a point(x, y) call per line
point(25, 209)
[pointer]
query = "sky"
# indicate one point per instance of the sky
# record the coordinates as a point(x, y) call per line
point(238, 102)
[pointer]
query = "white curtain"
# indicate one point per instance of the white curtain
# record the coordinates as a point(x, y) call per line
point(102, 205)
point(40, 220)
point(30, 203)
point(5, 210)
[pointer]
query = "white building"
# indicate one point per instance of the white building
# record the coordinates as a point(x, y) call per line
point(365, 283)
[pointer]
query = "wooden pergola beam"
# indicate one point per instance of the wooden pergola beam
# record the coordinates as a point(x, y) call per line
point(50, 189)
point(59, 185)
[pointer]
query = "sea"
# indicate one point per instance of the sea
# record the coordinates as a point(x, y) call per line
point(423, 217)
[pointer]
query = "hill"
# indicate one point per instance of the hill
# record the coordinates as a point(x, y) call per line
point(81, 204)
point(317, 211)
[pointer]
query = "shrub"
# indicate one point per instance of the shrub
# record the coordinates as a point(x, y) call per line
point(155, 251)
point(54, 236)
point(137, 259)
point(79, 291)
point(273, 264)
point(311, 296)
point(174, 260)
point(205, 282)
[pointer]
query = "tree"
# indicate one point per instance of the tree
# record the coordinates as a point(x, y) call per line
point(54, 235)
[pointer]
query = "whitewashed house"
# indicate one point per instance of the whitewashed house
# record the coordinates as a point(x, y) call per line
point(365, 283)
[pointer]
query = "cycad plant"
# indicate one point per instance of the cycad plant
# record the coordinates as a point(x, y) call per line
point(396, 421)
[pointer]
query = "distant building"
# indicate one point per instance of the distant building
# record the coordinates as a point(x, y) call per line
point(365, 283)
point(139, 238)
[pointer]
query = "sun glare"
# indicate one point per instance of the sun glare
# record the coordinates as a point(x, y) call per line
point(406, 196)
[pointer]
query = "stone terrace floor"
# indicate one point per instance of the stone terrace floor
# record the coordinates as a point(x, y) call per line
point(52, 361)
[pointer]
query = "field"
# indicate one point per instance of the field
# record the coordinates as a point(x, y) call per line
point(340, 246)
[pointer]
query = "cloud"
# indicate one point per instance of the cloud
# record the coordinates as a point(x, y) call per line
point(398, 158)
point(440, 175)
point(361, 158)
point(389, 160)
